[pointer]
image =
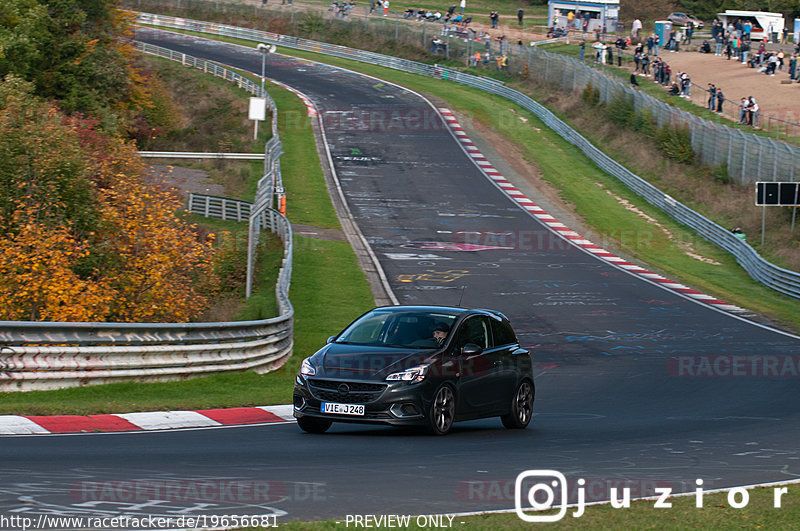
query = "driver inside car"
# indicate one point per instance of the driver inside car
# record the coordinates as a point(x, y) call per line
point(440, 332)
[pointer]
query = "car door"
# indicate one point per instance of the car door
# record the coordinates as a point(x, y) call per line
point(480, 380)
point(513, 360)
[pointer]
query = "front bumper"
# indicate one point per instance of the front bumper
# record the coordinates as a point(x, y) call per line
point(395, 404)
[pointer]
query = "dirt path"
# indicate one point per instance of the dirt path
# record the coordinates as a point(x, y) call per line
point(737, 81)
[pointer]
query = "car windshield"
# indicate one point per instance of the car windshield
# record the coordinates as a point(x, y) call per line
point(392, 328)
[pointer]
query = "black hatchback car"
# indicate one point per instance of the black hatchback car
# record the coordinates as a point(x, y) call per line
point(417, 366)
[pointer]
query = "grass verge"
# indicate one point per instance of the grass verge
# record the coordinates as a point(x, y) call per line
point(717, 513)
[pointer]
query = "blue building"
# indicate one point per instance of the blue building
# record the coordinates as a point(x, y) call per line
point(598, 13)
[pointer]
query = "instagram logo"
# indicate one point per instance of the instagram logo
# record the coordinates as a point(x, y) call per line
point(540, 487)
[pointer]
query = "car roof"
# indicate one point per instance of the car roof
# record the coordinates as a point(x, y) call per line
point(435, 308)
point(423, 308)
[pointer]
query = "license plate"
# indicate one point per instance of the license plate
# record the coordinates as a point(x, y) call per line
point(342, 409)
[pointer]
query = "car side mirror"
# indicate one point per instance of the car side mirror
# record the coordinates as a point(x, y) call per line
point(330, 339)
point(470, 349)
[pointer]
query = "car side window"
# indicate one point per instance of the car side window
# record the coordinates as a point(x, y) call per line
point(503, 333)
point(474, 330)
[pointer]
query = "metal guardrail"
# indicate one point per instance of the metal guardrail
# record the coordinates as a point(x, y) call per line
point(194, 155)
point(49, 355)
point(212, 206)
point(777, 278)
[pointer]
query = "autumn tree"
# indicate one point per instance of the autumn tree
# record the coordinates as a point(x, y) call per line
point(82, 235)
point(76, 52)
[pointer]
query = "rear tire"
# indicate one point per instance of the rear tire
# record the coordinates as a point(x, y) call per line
point(442, 411)
point(521, 407)
point(312, 425)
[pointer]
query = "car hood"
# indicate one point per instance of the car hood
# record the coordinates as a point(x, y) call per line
point(357, 361)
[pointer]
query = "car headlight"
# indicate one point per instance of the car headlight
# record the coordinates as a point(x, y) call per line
point(306, 369)
point(412, 375)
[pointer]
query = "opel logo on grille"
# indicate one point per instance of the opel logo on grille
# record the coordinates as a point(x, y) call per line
point(343, 389)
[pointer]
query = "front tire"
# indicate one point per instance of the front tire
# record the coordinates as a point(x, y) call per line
point(312, 425)
point(442, 411)
point(521, 407)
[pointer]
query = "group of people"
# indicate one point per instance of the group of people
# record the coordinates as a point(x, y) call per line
point(450, 17)
point(715, 98)
point(734, 41)
point(748, 110)
point(341, 9)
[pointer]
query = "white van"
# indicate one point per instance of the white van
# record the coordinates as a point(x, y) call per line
point(761, 22)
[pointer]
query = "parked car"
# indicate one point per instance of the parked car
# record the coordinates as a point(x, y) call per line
point(682, 19)
point(417, 366)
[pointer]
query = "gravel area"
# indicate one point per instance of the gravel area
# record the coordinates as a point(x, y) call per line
point(184, 180)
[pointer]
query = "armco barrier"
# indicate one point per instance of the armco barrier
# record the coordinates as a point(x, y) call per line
point(212, 206)
point(777, 278)
point(40, 355)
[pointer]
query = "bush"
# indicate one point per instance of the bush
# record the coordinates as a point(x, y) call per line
point(676, 143)
point(591, 94)
point(311, 23)
point(620, 110)
point(644, 123)
point(720, 174)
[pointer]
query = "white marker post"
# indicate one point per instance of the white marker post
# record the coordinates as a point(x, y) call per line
point(258, 106)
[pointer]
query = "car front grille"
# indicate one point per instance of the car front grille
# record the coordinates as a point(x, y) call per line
point(359, 392)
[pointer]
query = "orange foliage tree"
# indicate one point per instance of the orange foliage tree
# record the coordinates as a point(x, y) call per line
point(82, 235)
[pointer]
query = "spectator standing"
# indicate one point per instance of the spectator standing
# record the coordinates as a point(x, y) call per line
point(689, 31)
point(720, 100)
point(520, 14)
point(752, 111)
point(494, 17)
point(792, 67)
point(385, 8)
point(718, 44)
point(582, 53)
point(636, 28)
point(743, 111)
point(462, 6)
point(650, 43)
point(712, 96)
point(646, 65)
point(686, 84)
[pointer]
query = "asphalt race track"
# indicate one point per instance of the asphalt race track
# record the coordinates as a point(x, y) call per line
point(636, 385)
